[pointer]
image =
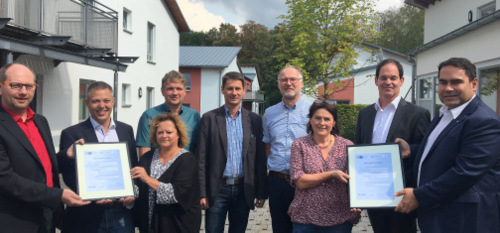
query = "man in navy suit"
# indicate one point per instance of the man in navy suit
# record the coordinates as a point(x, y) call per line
point(389, 118)
point(457, 166)
point(29, 181)
point(103, 215)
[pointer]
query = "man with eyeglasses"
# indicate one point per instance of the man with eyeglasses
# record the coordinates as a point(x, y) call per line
point(282, 123)
point(29, 182)
point(389, 118)
point(102, 215)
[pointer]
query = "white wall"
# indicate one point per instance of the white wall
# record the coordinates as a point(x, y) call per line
point(210, 97)
point(61, 86)
point(478, 45)
point(447, 15)
point(211, 82)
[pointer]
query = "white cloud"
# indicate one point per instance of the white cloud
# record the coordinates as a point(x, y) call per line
point(382, 5)
point(198, 17)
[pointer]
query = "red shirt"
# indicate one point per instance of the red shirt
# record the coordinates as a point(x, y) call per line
point(31, 131)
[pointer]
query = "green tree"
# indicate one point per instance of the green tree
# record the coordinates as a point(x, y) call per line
point(402, 29)
point(227, 35)
point(321, 37)
point(193, 39)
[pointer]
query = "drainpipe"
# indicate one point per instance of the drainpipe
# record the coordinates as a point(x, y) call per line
point(220, 84)
point(414, 79)
point(115, 94)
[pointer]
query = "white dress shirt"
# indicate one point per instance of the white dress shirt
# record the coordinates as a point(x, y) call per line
point(102, 136)
point(383, 120)
point(446, 115)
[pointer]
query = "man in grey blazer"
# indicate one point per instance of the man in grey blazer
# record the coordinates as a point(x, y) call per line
point(389, 118)
point(232, 160)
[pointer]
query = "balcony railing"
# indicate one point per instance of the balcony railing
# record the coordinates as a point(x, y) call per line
point(88, 22)
point(253, 95)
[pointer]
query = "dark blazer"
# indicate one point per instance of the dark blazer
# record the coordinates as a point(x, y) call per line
point(212, 155)
point(23, 189)
point(87, 218)
point(409, 123)
point(459, 187)
point(181, 217)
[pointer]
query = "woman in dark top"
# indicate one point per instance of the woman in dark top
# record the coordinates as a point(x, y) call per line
point(167, 181)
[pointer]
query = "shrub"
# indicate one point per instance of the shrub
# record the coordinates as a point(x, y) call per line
point(348, 116)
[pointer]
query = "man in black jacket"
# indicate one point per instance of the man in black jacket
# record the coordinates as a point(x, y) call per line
point(106, 215)
point(389, 118)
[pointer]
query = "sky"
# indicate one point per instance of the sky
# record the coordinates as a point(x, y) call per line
point(202, 15)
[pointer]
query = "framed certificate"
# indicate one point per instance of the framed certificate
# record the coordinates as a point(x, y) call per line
point(376, 173)
point(103, 171)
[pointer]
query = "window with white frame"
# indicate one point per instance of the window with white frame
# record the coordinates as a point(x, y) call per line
point(187, 77)
point(126, 95)
point(83, 112)
point(151, 42)
point(485, 9)
point(127, 20)
point(150, 101)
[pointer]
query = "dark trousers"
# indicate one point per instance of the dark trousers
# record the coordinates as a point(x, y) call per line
point(47, 225)
point(281, 195)
point(230, 199)
point(388, 221)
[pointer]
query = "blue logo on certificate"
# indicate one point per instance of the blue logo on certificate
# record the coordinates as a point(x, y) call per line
point(103, 170)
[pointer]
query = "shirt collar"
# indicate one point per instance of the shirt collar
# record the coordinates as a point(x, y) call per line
point(167, 109)
point(394, 103)
point(228, 113)
point(294, 106)
point(455, 112)
point(96, 125)
point(29, 114)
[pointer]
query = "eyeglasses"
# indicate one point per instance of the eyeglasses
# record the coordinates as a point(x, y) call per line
point(324, 101)
point(19, 86)
point(292, 80)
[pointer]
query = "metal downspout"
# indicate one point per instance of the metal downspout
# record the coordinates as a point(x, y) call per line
point(115, 94)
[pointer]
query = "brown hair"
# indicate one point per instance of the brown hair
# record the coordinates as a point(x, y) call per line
point(179, 126)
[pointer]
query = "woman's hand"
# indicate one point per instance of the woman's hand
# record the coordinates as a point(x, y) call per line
point(340, 175)
point(139, 172)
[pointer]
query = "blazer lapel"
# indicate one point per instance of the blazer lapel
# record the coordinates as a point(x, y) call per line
point(8, 122)
point(247, 130)
point(464, 115)
point(220, 118)
point(369, 124)
point(88, 131)
point(47, 138)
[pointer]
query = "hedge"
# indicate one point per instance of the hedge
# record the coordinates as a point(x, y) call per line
point(348, 116)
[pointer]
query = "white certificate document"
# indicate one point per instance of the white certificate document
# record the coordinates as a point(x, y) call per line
point(376, 173)
point(103, 171)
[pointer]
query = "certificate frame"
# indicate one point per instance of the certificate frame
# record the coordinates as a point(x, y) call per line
point(103, 171)
point(376, 173)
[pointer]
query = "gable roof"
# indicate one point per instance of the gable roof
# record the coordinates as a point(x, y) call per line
point(207, 56)
point(175, 10)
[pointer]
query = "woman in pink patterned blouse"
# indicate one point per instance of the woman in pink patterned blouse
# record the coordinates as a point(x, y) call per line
point(318, 163)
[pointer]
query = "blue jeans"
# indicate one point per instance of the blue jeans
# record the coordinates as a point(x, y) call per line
point(230, 199)
point(281, 195)
point(345, 227)
point(117, 219)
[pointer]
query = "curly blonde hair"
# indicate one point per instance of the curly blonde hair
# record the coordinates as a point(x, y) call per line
point(179, 125)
